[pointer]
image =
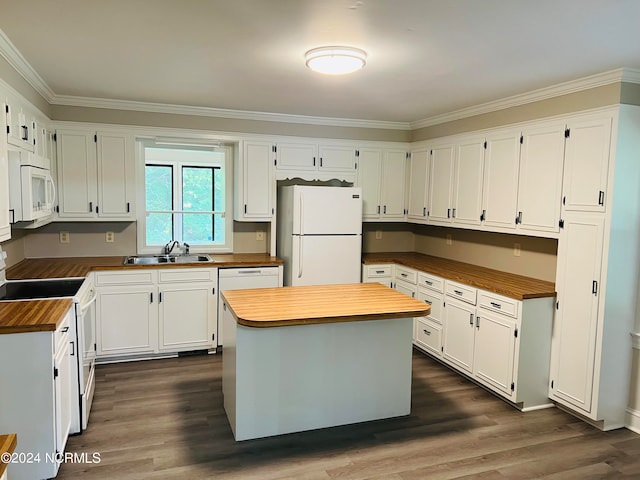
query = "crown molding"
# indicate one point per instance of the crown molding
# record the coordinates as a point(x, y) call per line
point(20, 65)
point(223, 113)
point(565, 88)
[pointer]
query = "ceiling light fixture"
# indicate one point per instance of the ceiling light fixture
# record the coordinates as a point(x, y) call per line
point(335, 60)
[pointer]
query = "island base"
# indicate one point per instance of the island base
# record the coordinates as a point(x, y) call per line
point(290, 379)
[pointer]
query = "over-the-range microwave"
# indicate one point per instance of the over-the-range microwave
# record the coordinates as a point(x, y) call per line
point(32, 191)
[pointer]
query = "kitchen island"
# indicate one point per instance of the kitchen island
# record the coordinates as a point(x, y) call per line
point(308, 357)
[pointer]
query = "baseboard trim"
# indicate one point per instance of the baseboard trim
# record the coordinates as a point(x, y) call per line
point(632, 420)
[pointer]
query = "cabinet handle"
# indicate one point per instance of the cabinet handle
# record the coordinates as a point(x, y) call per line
point(25, 132)
point(471, 319)
point(454, 213)
point(478, 323)
point(424, 211)
point(91, 207)
point(519, 218)
point(97, 209)
point(151, 297)
point(457, 292)
point(378, 209)
point(428, 302)
point(427, 332)
point(73, 349)
point(496, 305)
point(320, 161)
point(601, 198)
point(404, 275)
point(483, 216)
point(65, 330)
point(159, 297)
point(314, 161)
point(128, 207)
point(385, 209)
point(379, 272)
point(594, 287)
point(448, 213)
point(428, 282)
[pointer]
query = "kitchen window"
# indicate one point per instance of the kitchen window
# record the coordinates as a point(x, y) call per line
point(186, 196)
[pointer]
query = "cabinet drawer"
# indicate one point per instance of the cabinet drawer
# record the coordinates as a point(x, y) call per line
point(429, 281)
point(461, 292)
point(374, 271)
point(172, 275)
point(139, 277)
point(406, 274)
point(498, 303)
point(429, 336)
point(435, 301)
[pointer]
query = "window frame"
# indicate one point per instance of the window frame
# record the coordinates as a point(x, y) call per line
point(177, 194)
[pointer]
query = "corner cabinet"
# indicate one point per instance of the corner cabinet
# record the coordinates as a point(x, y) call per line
point(5, 226)
point(96, 176)
point(255, 182)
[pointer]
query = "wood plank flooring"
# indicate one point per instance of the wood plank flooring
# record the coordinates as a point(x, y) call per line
point(164, 419)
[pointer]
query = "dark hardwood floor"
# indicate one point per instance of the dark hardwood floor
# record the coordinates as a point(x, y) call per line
point(164, 419)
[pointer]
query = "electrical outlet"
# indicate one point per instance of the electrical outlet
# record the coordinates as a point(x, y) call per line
point(110, 237)
point(259, 235)
point(516, 249)
point(64, 237)
point(378, 234)
point(449, 239)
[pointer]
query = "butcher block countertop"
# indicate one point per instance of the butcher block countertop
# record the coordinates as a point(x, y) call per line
point(503, 283)
point(306, 305)
point(7, 445)
point(81, 266)
point(22, 316)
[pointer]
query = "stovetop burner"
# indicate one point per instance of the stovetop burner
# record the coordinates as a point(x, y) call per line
point(37, 289)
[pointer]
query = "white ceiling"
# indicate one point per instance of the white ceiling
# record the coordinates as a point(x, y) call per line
point(426, 57)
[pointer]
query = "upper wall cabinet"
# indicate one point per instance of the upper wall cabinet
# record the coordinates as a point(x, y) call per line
point(5, 227)
point(418, 184)
point(312, 161)
point(96, 175)
point(254, 182)
point(587, 164)
point(381, 175)
point(21, 124)
point(441, 183)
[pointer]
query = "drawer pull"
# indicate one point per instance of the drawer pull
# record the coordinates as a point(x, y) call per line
point(428, 282)
point(426, 332)
point(471, 319)
point(64, 330)
point(496, 305)
point(404, 275)
point(457, 292)
point(380, 272)
point(427, 301)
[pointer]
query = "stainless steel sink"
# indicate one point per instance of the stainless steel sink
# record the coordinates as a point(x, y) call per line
point(166, 259)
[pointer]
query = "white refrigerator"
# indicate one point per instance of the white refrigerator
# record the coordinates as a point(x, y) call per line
point(319, 234)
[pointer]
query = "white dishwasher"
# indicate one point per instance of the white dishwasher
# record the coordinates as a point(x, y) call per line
point(242, 279)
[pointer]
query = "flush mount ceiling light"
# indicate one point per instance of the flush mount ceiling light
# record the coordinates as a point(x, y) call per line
point(335, 60)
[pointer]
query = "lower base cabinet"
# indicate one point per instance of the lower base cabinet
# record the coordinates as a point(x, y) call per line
point(35, 398)
point(147, 311)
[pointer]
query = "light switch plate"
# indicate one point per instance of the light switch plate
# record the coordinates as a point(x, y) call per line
point(259, 235)
point(65, 237)
point(378, 234)
point(110, 237)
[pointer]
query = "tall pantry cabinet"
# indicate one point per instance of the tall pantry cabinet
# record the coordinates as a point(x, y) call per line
point(597, 269)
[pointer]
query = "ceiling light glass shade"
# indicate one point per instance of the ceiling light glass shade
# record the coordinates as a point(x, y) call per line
point(335, 60)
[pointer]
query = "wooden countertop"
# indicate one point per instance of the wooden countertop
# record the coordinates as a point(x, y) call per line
point(23, 316)
point(81, 266)
point(8, 444)
point(286, 306)
point(503, 283)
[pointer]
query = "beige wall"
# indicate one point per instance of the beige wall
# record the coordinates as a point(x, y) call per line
point(18, 83)
point(196, 122)
point(14, 248)
point(630, 94)
point(396, 237)
point(492, 250)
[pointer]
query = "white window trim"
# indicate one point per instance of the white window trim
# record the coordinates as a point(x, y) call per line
point(142, 247)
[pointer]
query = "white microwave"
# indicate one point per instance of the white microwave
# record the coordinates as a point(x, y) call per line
point(32, 192)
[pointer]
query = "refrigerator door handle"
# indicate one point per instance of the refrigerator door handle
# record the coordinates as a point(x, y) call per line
point(300, 257)
point(301, 226)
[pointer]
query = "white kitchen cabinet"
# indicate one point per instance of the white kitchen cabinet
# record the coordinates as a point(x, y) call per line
point(459, 334)
point(429, 330)
point(540, 177)
point(586, 170)
point(441, 172)
point(336, 158)
point(405, 281)
point(378, 273)
point(255, 182)
point(468, 178)
point(418, 184)
point(315, 161)
point(5, 219)
point(500, 185)
point(96, 175)
point(369, 180)
point(393, 188)
point(20, 123)
point(36, 397)
point(296, 156)
point(578, 279)
point(187, 303)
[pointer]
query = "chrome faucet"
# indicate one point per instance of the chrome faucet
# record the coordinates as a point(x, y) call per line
point(168, 248)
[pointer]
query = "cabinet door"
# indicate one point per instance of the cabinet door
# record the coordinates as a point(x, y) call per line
point(127, 320)
point(467, 191)
point(296, 156)
point(63, 395)
point(587, 165)
point(500, 187)
point(116, 176)
point(5, 227)
point(369, 179)
point(393, 184)
point(187, 316)
point(459, 335)
point(77, 174)
point(20, 129)
point(428, 335)
point(337, 158)
point(441, 184)
point(540, 185)
point(494, 351)
point(257, 181)
point(418, 184)
point(573, 343)
point(404, 287)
